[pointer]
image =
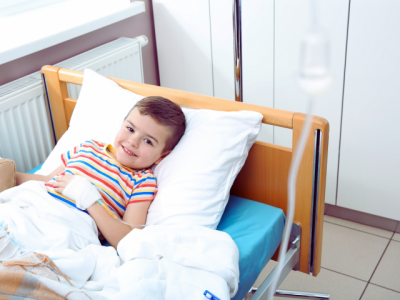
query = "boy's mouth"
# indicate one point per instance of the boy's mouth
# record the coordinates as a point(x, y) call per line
point(128, 152)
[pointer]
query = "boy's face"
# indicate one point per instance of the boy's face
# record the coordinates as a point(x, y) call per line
point(140, 141)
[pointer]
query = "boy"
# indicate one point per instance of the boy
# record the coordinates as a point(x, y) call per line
point(121, 173)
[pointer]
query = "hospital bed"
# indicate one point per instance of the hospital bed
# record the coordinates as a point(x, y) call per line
point(254, 216)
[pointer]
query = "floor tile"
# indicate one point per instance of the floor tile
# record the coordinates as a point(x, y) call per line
point(374, 292)
point(264, 273)
point(351, 252)
point(388, 272)
point(338, 286)
point(369, 229)
point(396, 237)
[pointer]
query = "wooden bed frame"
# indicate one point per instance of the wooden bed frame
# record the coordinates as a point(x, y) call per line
point(265, 173)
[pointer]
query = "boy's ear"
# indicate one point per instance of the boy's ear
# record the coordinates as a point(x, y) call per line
point(162, 157)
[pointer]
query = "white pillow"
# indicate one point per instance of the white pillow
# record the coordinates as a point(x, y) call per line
point(101, 108)
point(195, 179)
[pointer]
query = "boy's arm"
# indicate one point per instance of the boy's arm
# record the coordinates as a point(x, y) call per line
point(113, 230)
point(85, 195)
point(23, 177)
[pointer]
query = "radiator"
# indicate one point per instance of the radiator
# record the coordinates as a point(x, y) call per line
point(26, 134)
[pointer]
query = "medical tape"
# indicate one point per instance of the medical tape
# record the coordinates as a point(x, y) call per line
point(82, 191)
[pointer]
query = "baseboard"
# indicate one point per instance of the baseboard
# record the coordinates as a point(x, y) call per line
point(362, 218)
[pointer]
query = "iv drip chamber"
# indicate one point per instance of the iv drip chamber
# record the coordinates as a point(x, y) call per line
point(314, 77)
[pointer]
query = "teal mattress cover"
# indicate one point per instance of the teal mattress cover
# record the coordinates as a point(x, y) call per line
point(256, 229)
point(35, 169)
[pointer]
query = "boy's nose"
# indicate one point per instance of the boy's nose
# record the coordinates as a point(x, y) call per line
point(134, 141)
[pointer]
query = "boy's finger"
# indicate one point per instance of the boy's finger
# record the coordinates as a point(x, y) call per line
point(59, 190)
point(60, 178)
point(64, 178)
point(60, 184)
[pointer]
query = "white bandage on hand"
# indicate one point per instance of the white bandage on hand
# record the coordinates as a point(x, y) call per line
point(82, 191)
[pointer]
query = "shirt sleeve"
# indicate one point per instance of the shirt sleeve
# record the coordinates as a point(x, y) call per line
point(65, 157)
point(145, 190)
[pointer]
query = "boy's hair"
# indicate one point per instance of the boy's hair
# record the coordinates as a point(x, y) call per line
point(166, 113)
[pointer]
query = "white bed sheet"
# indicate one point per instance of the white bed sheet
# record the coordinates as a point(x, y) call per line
point(161, 262)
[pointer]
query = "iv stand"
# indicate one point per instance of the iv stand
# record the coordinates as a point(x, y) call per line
point(237, 46)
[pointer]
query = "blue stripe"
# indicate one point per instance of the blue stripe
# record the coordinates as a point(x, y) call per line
point(143, 180)
point(91, 152)
point(104, 160)
point(99, 172)
point(91, 142)
point(69, 152)
point(142, 193)
point(69, 172)
point(129, 175)
point(112, 209)
point(98, 167)
point(114, 200)
point(66, 201)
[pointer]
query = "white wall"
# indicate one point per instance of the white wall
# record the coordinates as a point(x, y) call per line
point(369, 171)
point(366, 93)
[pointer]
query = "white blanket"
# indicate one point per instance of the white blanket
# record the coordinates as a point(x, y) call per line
point(177, 262)
point(160, 262)
point(37, 219)
point(68, 236)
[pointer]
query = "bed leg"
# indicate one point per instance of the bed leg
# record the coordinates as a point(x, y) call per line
point(292, 259)
point(300, 295)
point(293, 294)
point(291, 263)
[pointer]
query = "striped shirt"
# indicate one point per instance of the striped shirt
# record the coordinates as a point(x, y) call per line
point(118, 185)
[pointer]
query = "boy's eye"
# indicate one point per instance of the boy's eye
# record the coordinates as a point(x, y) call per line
point(147, 141)
point(130, 129)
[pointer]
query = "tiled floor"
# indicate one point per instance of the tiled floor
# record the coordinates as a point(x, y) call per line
point(358, 262)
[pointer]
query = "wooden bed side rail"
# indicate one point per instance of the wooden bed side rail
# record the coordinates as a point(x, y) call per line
point(264, 176)
point(310, 187)
point(57, 78)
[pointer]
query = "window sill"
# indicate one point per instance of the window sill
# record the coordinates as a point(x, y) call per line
point(33, 31)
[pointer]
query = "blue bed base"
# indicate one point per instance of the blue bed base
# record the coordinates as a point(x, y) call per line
point(256, 229)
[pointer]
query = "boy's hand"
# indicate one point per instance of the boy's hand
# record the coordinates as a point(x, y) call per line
point(61, 183)
point(78, 189)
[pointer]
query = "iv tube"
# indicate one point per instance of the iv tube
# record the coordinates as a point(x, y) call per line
point(314, 79)
point(105, 206)
point(294, 168)
point(132, 225)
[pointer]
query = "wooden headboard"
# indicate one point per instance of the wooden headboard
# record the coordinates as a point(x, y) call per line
point(264, 176)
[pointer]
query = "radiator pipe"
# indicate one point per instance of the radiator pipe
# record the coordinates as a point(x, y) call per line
point(143, 40)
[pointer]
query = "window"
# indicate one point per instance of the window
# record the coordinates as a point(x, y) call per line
point(12, 7)
point(33, 25)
